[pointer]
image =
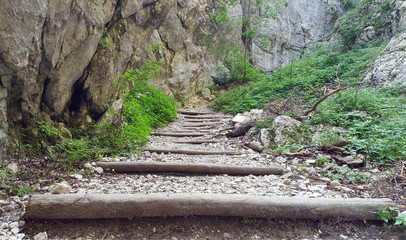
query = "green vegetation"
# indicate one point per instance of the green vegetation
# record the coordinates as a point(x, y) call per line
point(363, 15)
point(372, 120)
point(303, 78)
point(9, 183)
point(344, 172)
point(377, 133)
point(322, 161)
point(106, 42)
point(392, 214)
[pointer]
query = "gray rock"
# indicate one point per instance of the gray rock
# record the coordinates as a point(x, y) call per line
point(41, 236)
point(206, 94)
point(61, 188)
point(8, 208)
point(3, 195)
point(300, 24)
point(88, 165)
point(264, 137)
point(99, 170)
point(335, 183)
point(283, 126)
point(13, 167)
point(389, 69)
point(227, 235)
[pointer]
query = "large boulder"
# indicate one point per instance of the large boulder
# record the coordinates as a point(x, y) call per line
point(284, 127)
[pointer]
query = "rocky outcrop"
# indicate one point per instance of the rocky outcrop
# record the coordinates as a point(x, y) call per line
point(300, 24)
point(389, 69)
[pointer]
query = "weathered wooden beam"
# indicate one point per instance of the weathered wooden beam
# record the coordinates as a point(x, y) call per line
point(137, 167)
point(192, 152)
point(199, 141)
point(202, 120)
point(178, 134)
point(192, 112)
point(200, 124)
point(204, 117)
point(91, 206)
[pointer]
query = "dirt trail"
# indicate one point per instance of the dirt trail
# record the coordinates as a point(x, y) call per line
point(206, 133)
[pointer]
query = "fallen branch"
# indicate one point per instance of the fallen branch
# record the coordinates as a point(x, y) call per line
point(193, 152)
point(255, 146)
point(245, 127)
point(326, 96)
point(374, 109)
point(91, 206)
point(135, 167)
point(297, 154)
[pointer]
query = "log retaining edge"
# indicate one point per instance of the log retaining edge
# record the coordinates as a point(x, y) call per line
point(92, 206)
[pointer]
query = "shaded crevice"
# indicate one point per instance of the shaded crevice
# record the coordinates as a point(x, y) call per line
point(183, 23)
point(79, 93)
point(43, 103)
point(116, 16)
point(148, 3)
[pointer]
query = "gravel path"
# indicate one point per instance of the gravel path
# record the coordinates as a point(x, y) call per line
point(301, 178)
point(289, 184)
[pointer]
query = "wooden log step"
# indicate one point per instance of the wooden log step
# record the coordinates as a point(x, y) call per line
point(192, 152)
point(205, 129)
point(178, 134)
point(204, 117)
point(102, 206)
point(200, 125)
point(186, 112)
point(136, 167)
point(188, 131)
point(199, 141)
point(202, 120)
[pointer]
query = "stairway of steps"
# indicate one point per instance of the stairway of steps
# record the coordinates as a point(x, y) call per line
point(196, 138)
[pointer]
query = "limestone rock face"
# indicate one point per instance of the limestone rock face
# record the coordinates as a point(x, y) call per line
point(300, 24)
point(389, 69)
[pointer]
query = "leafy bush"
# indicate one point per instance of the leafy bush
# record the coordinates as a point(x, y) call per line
point(377, 14)
point(147, 107)
point(378, 133)
point(392, 214)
